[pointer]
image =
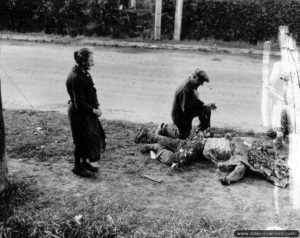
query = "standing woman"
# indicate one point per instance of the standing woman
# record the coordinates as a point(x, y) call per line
point(88, 134)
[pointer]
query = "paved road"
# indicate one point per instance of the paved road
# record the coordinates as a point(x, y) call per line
point(134, 84)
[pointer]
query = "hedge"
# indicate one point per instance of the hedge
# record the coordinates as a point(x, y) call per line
point(72, 17)
point(230, 20)
point(233, 20)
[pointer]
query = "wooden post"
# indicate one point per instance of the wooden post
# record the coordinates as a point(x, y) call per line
point(133, 4)
point(157, 26)
point(3, 166)
point(178, 20)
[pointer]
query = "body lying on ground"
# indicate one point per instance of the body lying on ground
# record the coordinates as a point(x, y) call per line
point(227, 153)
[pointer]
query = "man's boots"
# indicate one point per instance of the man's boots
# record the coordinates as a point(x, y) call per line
point(142, 136)
point(160, 129)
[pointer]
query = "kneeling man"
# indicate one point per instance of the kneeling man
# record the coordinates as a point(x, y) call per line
point(187, 106)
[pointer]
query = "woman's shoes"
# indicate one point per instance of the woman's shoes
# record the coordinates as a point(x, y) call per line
point(90, 167)
point(82, 172)
point(85, 170)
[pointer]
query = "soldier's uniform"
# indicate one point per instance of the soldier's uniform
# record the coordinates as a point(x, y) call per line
point(263, 159)
point(229, 153)
point(169, 150)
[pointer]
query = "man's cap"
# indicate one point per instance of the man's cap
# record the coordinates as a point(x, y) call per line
point(82, 55)
point(200, 75)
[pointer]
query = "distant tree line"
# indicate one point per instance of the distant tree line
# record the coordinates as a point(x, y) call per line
point(230, 20)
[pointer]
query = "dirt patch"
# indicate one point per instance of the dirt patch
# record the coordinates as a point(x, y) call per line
point(191, 203)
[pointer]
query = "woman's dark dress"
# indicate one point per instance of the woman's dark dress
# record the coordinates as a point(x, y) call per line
point(87, 131)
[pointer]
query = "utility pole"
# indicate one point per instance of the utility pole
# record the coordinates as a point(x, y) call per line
point(178, 20)
point(157, 25)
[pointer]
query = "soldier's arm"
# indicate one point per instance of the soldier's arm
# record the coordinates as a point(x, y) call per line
point(189, 101)
point(226, 165)
point(237, 174)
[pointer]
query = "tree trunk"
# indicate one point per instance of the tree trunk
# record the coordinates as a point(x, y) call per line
point(3, 165)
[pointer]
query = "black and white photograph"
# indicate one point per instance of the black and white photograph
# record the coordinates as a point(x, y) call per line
point(149, 118)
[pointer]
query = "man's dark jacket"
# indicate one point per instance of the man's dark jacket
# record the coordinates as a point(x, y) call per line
point(186, 105)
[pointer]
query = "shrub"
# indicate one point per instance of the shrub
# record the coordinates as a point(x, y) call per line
point(18, 14)
point(109, 19)
point(232, 20)
point(72, 17)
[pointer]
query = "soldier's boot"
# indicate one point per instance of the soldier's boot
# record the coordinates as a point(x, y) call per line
point(150, 147)
point(142, 136)
point(208, 133)
point(160, 129)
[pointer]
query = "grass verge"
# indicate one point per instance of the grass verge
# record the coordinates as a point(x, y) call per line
point(47, 200)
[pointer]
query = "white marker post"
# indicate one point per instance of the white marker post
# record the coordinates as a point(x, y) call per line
point(266, 107)
point(293, 92)
point(157, 27)
point(133, 4)
point(291, 72)
point(178, 20)
point(265, 101)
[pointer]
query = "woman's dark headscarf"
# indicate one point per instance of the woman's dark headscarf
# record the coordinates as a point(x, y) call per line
point(81, 56)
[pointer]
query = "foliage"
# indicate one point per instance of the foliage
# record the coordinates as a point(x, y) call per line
point(109, 19)
point(167, 20)
point(232, 20)
point(75, 18)
point(18, 14)
point(71, 17)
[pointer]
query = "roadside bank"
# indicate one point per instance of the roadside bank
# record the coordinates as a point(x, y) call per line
point(132, 43)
